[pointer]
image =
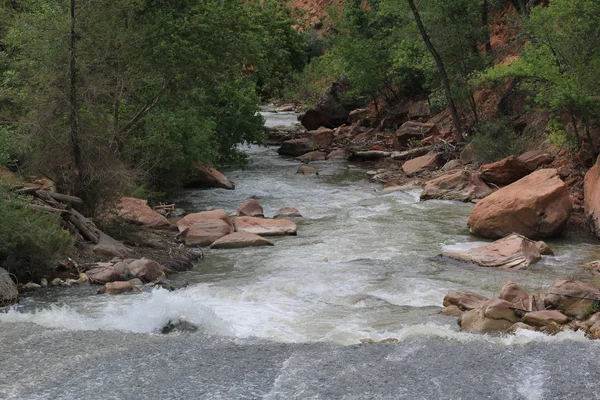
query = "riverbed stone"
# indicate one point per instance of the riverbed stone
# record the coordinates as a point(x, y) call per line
point(312, 156)
point(337, 154)
point(535, 158)
point(536, 206)
point(115, 288)
point(206, 232)
point(430, 160)
point(206, 177)
point(575, 299)
point(306, 170)
point(493, 316)
point(9, 293)
point(102, 274)
point(461, 186)
point(451, 311)
point(513, 252)
point(145, 269)
point(239, 240)
point(251, 208)
point(288, 212)
point(191, 219)
point(265, 227)
point(545, 318)
point(464, 300)
point(412, 130)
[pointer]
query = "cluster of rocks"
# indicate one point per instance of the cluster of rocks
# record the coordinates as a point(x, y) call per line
point(567, 305)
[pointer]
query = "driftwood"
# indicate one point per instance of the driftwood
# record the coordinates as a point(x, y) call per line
point(57, 203)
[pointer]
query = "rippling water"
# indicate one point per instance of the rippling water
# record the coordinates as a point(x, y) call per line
point(284, 321)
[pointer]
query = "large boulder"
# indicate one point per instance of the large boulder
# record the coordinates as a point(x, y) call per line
point(591, 197)
point(536, 206)
point(504, 172)
point(191, 219)
point(430, 160)
point(545, 318)
point(535, 158)
point(138, 211)
point(318, 139)
point(8, 289)
point(106, 272)
point(412, 131)
point(329, 111)
point(238, 240)
point(522, 300)
point(513, 252)
point(493, 316)
point(206, 177)
point(461, 185)
point(206, 232)
point(251, 208)
point(265, 227)
point(575, 299)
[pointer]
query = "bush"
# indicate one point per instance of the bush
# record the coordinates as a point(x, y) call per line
point(496, 140)
point(29, 240)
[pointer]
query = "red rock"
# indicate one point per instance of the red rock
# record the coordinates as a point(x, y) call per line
point(545, 317)
point(145, 269)
point(514, 294)
point(536, 206)
point(115, 288)
point(209, 178)
point(320, 138)
point(312, 157)
point(206, 232)
point(104, 274)
point(295, 147)
point(575, 299)
point(377, 147)
point(251, 208)
point(493, 316)
point(306, 170)
point(287, 212)
point(461, 185)
point(591, 197)
point(238, 240)
point(8, 289)
point(192, 219)
point(429, 161)
point(337, 154)
point(513, 252)
point(467, 156)
point(504, 172)
point(451, 311)
point(265, 227)
point(137, 210)
point(464, 300)
point(412, 130)
point(535, 158)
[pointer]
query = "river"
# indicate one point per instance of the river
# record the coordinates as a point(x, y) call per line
point(285, 322)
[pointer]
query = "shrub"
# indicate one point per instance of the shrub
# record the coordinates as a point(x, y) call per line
point(496, 139)
point(29, 240)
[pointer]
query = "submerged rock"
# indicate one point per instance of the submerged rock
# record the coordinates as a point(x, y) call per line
point(306, 170)
point(251, 208)
point(287, 212)
point(536, 206)
point(178, 326)
point(265, 227)
point(115, 288)
point(464, 300)
point(513, 252)
point(239, 240)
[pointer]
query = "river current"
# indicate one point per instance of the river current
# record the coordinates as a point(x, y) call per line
point(285, 322)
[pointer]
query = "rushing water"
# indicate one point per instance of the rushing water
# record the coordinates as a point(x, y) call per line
point(286, 321)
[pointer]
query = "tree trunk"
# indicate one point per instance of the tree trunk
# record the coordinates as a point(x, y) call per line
point(484, 22)
point(73, 115)
point(458, 134)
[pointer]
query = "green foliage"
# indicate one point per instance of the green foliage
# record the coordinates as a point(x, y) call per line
point(29, 240)
point(558, 136)
point(496, 139)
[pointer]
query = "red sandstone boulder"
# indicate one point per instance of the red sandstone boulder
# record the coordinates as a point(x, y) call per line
point(591, 197)
point(535, 158)
point(115, 288)
point(337, 154)
point(462, 186)
point(429, 161)
point(105, 273)
point(464, 300)
point(144, 269)
point(493, 316)
point(251, 208)
point(238, 240)
point(194, 218)
point(206, 177)
point(574, 299)
point(412, 131)
point(318, 139)
point(545, 318)
point(536, 206)
point(504, 172)
point(206, 232)
point(513, 252)
point(137, 210)
point(265, 227)
point(522, 300)
point(312, 157)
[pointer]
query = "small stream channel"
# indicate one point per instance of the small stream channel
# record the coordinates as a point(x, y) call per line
point(286, 321)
